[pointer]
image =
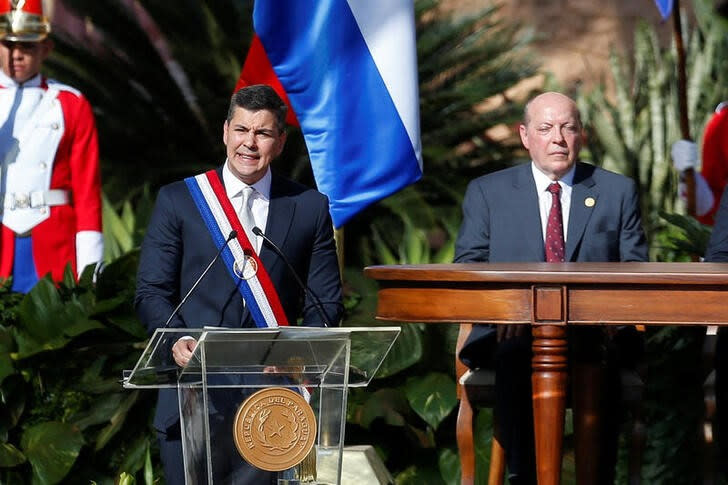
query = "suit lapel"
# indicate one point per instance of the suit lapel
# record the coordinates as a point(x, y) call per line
point(280, 217)
point(527, 213)
point(584, 195)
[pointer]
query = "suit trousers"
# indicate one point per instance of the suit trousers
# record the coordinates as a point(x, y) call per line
point(514, 407)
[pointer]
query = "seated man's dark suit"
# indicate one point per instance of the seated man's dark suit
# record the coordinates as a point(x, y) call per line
point(502, 224)
point(178, 247)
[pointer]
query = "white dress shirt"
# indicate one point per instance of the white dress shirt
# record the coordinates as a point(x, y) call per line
point(260, 199)
point(545, 197)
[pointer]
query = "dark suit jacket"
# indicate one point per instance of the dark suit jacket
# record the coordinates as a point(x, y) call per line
point(717, 250)
point(502, 224)
point(178, 247)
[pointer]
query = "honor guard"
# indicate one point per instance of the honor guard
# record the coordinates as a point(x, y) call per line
point(50, 187)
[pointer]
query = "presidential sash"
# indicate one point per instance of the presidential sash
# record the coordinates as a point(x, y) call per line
point(240, 258)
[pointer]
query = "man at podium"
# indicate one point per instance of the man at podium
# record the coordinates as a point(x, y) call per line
point(553, 209)
point(237, 247)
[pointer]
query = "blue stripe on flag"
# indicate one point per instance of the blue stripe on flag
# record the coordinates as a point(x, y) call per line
point(359, 146)
point(665, 7)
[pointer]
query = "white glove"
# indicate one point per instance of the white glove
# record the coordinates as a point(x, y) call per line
point(684, 155)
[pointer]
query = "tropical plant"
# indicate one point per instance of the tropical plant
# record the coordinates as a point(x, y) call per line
point(632, 134)
point(124, 229)
point(64, 416)
point(159, 76)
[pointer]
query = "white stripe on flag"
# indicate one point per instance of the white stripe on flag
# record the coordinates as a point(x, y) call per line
point(389, 31)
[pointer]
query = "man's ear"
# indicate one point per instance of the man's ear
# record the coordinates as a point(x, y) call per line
point(524, 135)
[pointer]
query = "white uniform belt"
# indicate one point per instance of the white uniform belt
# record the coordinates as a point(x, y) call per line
point(36, 199)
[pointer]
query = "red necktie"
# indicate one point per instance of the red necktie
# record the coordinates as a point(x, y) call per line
point(555, 227)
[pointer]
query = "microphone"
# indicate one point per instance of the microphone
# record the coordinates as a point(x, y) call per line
point(319, 306)
point(233, 234)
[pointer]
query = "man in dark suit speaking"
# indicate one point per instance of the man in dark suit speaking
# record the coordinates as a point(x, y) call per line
point(553, 209)
point(249, 285)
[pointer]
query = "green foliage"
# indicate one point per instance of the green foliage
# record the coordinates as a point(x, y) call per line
point(124, 229)
point(632, 133)
point(682, 237)
point(431, 396)
point(64, 416)
point(51, 448)
point(159, 111)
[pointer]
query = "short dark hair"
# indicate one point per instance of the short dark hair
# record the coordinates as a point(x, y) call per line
point(256, 98)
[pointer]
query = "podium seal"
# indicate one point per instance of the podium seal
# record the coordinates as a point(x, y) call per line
point(274, 429)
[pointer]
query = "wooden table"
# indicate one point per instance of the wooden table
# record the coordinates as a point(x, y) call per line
point(550, 296)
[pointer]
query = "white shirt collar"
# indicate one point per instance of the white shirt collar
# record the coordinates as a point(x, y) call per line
point(7, 82)
point(234, 186)
point(543, 181)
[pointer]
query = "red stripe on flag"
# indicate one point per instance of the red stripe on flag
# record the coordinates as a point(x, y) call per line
point(258, 70)
point(263, 278)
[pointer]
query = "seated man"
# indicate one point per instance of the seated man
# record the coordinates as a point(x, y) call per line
point(553, 209)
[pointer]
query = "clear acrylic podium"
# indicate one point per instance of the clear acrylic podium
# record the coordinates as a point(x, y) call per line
point(229, 365)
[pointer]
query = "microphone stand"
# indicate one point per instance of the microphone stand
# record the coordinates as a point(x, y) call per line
point(317, 303)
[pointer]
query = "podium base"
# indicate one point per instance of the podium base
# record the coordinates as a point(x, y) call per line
point(361, 466)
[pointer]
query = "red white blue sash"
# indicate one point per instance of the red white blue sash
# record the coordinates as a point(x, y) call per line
point(240, 258)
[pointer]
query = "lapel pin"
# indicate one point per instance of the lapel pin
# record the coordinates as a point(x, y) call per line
point(589, 202)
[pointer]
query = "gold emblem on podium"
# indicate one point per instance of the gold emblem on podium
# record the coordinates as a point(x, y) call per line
point(274, 429)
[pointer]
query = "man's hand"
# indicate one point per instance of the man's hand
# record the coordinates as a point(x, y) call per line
point(684, 155)
point(182, 350)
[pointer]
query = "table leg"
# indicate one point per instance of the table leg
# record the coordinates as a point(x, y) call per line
point(549, 382)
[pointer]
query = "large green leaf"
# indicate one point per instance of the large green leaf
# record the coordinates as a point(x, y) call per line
point(148, 468)
point(432, 396)
point(449, 465)
point(129, 324)
point(102, 410)
point(52, 449)
point(6, 347)
point(6, 366)
point(10, 456)
point(13, 397)
point(136, 456)
point(117, 420)
point(47, 322)
point(406, 351)
point(126, 479)
point(40, 310)
point(387, 404)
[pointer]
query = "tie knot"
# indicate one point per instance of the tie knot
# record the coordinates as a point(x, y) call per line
point(248, 192)
point(554, 188)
